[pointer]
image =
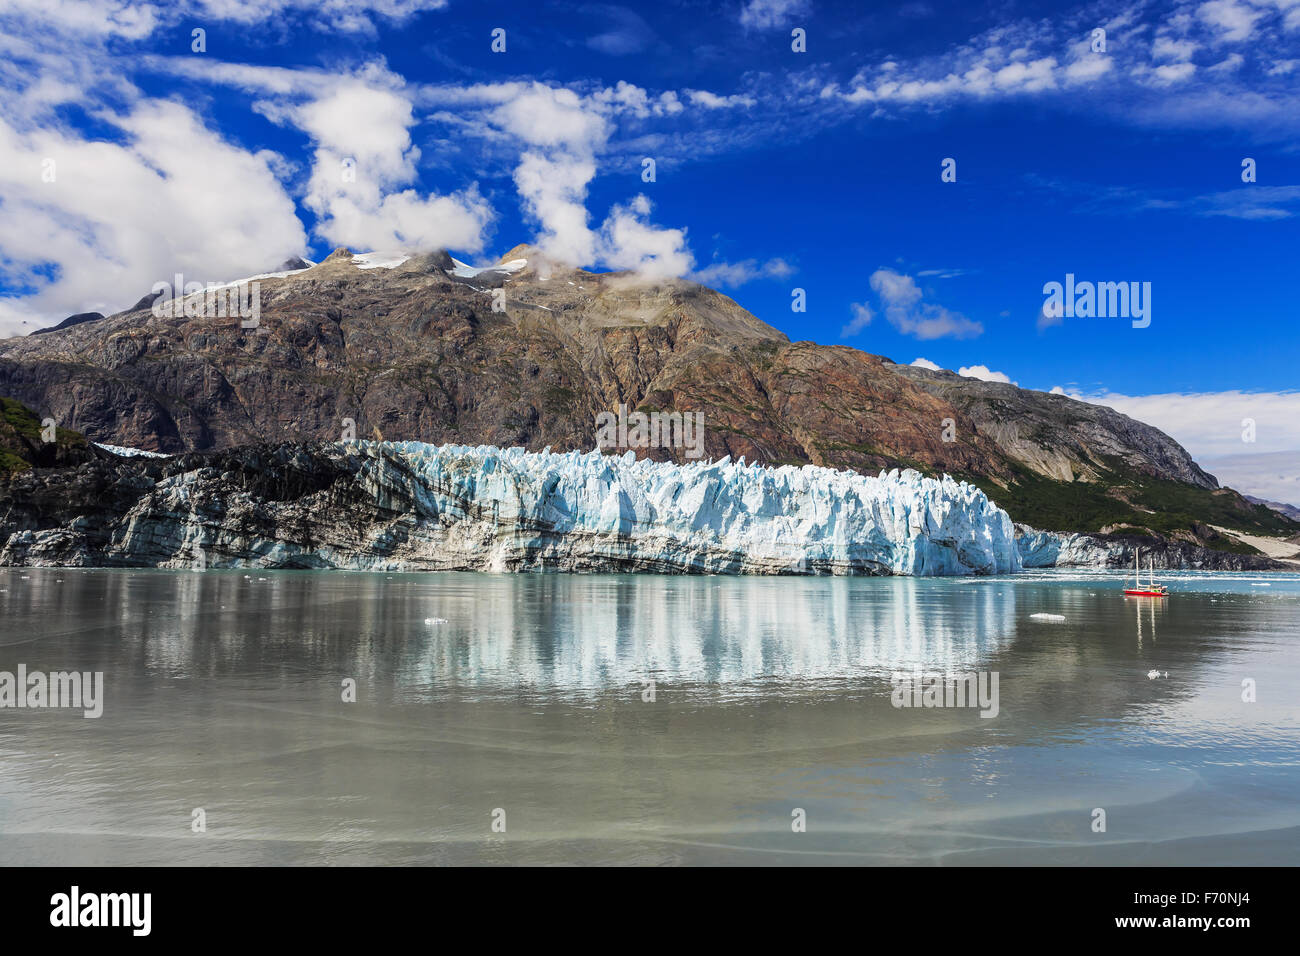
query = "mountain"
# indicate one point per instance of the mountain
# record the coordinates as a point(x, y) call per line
point(1290, 511)
point(70, 321)
point(411, 348)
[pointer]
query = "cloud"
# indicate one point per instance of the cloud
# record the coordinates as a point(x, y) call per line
point(926, 363)
point(1274, 476)
point(1214, 423)
point(1236, 21)
point(738, 273)
point(628, 241)
point(133, 21)
point(946, 273)
point(1186, 76)
point(364, 167)
point(1250, 441)
point(713, 101)
point(1048, 319)
point(905, 310)
point(172, 196)
point(771, 14)
point(627, 32)
point(1253, 201)
point(862, 316)
point(984, 374)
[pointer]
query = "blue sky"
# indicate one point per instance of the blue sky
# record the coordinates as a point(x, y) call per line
point(775, 169)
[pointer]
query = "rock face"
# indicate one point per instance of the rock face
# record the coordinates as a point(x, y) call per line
point(412, 506)
point(1045, 549)
point(78, 319)
point(415, 348)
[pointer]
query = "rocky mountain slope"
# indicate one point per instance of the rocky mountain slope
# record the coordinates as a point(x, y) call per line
point(414, 350)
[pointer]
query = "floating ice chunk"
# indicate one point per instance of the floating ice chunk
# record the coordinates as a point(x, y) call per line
point(1048, 617)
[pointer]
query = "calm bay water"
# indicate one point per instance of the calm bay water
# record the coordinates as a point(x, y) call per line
point(525, 693)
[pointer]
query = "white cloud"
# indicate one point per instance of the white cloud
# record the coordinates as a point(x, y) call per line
point(363, 159)
point(1211, 423)
point(1236, 21)
point(630, 242)
point(563, 133)
point(1174, 72)
point(985, 374)
point(1086, 67)
point(1273, 476)
point(926, 363)
point(1212, 427)
point(1048, 319)
point(905, 310)
point(1167, 48)
point(713, 101)
point(627, 32)
point(739, 273)
point(768, 14)
point(862, 316)
point(1229, 64)
point(175, 196)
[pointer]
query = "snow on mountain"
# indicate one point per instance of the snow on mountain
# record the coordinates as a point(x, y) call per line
point(379, 260)
point(465, 271)
point(583, 511)
point(130, 452)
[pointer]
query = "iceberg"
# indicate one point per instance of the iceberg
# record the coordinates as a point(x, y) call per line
point(510, 509)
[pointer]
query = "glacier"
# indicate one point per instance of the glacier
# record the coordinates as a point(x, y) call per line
point(529, 510)
point(410, 506)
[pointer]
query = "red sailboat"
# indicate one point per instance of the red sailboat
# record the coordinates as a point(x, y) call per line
point(1151, 589)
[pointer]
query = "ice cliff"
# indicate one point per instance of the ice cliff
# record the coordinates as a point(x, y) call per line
point(411, 506)
point(723, 516)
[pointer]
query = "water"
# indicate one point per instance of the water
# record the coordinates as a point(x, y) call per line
point(223, 692)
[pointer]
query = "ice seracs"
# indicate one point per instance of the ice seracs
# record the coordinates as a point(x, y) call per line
point(409, 506)
point(576, 511)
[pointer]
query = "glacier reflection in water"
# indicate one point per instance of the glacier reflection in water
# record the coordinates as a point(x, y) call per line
point(482, 691)
point(565, 633)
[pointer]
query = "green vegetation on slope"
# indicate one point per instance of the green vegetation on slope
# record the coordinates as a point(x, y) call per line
point(21, 446)
point(1128, 499)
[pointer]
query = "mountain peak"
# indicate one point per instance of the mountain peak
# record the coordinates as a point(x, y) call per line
point(341, 253)
point(522, 251)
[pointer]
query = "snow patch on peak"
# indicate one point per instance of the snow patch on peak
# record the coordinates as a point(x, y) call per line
point(380, 260)
point(465, 271)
